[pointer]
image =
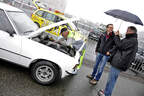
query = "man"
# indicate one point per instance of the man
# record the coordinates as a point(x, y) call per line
point(65, 39)
point(68, 40)
point(103, 49)
point(125, 52)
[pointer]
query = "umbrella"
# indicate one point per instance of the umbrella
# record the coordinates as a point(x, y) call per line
point(124, 15)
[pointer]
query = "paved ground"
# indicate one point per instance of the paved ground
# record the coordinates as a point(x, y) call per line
point(16, 81)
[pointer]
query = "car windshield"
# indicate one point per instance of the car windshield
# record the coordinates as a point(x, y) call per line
point(23, 23)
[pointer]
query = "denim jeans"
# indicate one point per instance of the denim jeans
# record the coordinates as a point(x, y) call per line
point(101, 60)
point(112, 78)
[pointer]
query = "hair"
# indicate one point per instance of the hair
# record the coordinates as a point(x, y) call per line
point(133, 29)
point(108, 25)
point(63, 30)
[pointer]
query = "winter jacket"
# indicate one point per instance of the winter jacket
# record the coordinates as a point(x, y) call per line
point(105, 43)
point(125, 51)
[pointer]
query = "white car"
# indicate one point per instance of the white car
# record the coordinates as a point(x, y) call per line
point(22, 43)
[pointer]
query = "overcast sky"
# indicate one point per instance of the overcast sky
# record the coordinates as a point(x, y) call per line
point(93, 10)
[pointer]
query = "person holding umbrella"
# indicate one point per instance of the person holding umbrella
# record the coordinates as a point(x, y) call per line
point(125, 51)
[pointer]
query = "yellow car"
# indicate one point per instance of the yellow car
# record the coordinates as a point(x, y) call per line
point(43, 17)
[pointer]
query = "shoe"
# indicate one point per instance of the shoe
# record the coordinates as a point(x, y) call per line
point(93, 82)
point(101, 93)
point(89, 76)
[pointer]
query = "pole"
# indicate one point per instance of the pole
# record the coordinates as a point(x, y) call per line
point(120, 25)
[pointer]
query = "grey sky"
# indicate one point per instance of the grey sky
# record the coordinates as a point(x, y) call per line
point(93, 10)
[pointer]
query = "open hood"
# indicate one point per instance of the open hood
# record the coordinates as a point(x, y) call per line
point(43, 30)
point(40, 30)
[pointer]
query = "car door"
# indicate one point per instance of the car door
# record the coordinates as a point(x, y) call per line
point(49, 19)
point(58, 28)
point(10, 42)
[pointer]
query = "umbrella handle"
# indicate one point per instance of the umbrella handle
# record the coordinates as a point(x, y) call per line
point(120, 25)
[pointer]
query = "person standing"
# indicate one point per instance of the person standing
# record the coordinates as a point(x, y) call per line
point(125, 52)
point(103, 50)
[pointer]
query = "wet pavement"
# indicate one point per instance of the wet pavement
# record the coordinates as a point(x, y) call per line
point(16, 81)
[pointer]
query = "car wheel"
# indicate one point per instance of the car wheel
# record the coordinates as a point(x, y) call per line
point(44, 72)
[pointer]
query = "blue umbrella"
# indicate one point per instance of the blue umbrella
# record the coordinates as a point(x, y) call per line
point(124, 15)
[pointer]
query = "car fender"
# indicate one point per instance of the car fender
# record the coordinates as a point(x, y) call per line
point(35, 50)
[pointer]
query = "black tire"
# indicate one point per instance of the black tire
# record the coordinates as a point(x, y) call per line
point(37, 24)
point(53, 73)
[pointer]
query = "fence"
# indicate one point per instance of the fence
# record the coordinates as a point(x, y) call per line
point(20, 4)
point(138, 65)
point(23, 5)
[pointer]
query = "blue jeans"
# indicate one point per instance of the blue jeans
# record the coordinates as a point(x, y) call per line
point(101, 60)
point(112, 78)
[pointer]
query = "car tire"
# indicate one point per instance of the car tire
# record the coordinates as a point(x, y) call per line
point(45, 73)
point(37, 24)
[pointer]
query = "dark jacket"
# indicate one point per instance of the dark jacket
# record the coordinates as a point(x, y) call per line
point(125, 51)
point(105, 44)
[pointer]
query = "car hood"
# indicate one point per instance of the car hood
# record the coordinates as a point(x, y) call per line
point(43, 29)
point(40, 30)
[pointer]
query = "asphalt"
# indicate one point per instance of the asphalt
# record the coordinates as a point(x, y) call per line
point(16, 81)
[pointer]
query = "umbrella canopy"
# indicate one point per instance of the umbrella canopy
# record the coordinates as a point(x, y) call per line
point(124, 15)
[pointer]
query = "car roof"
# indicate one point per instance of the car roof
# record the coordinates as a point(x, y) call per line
point(7, 7)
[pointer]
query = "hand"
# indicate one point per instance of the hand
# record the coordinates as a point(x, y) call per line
point(108, 53)
point(117, 33)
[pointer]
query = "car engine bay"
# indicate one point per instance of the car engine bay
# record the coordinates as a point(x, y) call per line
point(44, 38)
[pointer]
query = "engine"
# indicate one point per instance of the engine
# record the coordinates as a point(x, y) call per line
point(44, 38)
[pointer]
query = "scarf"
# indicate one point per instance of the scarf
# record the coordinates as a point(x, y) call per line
point(131, 35)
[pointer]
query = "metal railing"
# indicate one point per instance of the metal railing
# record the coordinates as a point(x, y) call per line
point(138, 66)
point(19, 4)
